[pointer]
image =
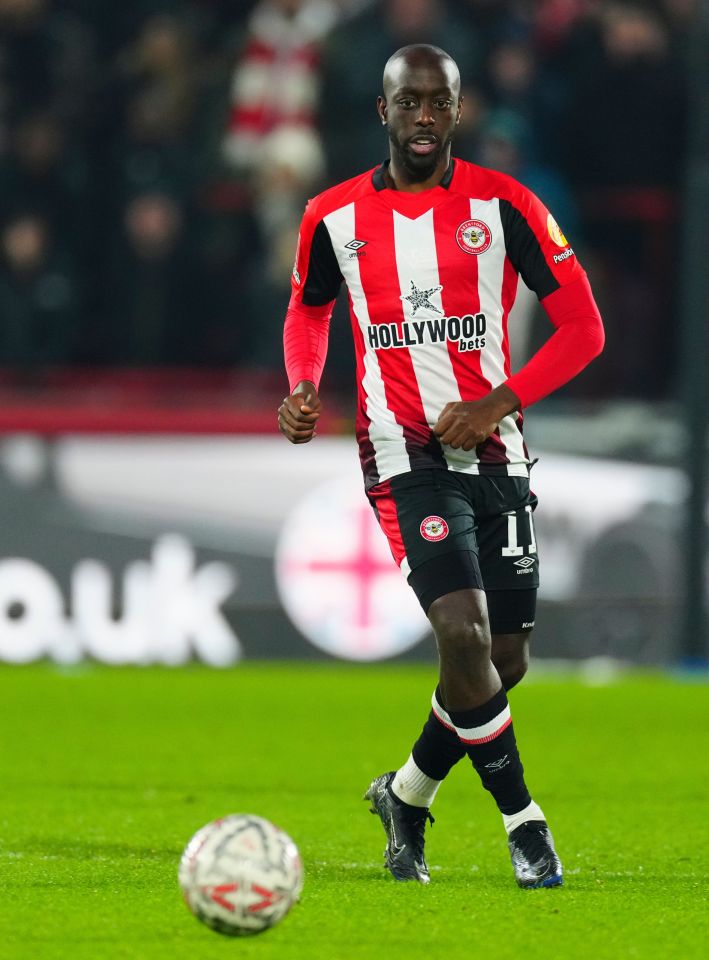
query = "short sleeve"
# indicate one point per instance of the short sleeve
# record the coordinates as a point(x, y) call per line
point(536, 245)
point(316, 277)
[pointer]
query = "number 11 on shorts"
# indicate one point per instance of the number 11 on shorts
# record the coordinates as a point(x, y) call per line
point(512, 550)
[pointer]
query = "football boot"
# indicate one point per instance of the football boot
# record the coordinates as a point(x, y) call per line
point(533, 856)
point(404, 826)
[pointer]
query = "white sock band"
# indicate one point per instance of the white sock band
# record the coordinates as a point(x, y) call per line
point(411, 785)
point(514, 820)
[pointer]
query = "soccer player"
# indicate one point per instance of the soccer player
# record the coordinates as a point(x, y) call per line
point(430, 248)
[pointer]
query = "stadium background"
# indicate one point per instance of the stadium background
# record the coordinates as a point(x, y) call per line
point(154, 161)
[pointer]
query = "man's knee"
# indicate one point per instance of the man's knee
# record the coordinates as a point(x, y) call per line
point(459, 621)
point(510, 655)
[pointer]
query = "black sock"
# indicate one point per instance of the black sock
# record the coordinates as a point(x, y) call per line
point(487, 735)
point(438, 748)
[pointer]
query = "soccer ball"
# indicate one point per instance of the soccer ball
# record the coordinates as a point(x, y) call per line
point(240, 875)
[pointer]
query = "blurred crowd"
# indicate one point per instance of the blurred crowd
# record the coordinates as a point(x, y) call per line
point(155, 158)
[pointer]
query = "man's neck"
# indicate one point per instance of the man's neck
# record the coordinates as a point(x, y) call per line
point(397, 178)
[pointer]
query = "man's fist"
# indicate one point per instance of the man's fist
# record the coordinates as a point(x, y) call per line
point(299, 412)
point(467, 423)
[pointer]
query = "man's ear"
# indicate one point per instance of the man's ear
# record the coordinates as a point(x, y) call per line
point(460, 109)
point(382, 109)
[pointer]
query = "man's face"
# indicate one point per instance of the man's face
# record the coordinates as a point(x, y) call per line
point(421, 109)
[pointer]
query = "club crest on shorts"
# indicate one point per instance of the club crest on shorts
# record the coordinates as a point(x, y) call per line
point(434, 528)
point(473, 236)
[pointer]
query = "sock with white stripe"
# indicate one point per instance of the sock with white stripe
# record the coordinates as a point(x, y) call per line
point(438, 748)
point(488, 736)
point(435, 752)
point(413, 786)
point(514, 820)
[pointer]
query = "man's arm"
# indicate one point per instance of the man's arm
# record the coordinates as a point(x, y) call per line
point(468, 422)
point(315, 282)
point(305, 336)
point(578, 338)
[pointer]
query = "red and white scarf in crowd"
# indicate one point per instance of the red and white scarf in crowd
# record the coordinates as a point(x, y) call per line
point(276, 79)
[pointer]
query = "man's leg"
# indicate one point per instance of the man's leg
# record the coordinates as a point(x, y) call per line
point(402, 798)
point(478, 711)
point(510, 655)
point(406, 795)
point(475, 700)
point(438, 748)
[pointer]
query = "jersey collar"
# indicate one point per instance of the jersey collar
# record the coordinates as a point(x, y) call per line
point(379, 183)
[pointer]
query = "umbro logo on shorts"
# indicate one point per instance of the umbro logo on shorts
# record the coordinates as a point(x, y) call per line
point(526, 564)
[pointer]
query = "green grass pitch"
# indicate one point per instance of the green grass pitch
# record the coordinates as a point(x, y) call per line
point(105, 774)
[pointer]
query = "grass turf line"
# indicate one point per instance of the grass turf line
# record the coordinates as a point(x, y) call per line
point(105, 774)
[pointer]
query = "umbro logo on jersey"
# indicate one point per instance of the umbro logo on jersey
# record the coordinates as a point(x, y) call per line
point(356, 247)
point(526, 563)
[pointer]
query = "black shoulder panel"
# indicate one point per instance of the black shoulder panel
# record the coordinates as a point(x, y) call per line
point(324, 277)
point(525, 251)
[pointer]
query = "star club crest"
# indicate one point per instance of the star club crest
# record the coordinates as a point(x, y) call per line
point(473, 236)
point(419, 299)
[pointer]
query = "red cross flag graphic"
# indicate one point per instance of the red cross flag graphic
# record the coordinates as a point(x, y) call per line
point(337, 580)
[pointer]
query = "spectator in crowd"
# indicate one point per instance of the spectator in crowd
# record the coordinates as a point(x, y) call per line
point(229, 253)
point(43, 170)
point(47, 57)
point(27, 55)
point(39, 300)
point(158, 91)
point(555, 19)
point(624, 136)
point(520, 78)
point(154, 311)
point(625, 124)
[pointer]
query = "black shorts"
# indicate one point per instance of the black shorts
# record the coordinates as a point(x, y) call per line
point(451, 531)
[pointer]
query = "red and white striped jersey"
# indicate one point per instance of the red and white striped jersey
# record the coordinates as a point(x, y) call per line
point(432, 277)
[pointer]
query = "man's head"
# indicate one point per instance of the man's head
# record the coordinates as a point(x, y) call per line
point(420, 108)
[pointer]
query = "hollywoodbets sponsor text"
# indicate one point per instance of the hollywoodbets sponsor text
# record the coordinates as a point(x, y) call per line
point(467, 331)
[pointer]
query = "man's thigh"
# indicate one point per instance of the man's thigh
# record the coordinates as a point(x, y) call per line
point(428, 518)
point(509, 559)
point(449, 531)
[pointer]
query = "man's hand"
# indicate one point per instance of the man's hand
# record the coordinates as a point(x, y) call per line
point(467, 423)
point(299, 412)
